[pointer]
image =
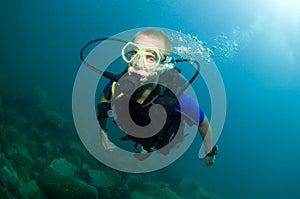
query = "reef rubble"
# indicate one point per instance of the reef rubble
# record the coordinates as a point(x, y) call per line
point(42, 157)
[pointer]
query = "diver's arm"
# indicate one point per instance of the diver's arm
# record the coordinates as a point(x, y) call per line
point(192, 110)
point(102, 121)
point(206, 134)
point(106, 143)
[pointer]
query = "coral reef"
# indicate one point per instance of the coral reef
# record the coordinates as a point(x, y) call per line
point(58, 181)
point(42, 157)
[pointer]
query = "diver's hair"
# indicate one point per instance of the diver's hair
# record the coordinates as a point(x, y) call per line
point(156, 33)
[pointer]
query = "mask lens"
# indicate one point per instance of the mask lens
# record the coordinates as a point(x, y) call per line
point(129, 52)
point(150, 56)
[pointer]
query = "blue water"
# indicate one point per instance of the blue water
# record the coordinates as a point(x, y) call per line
point(260, 142)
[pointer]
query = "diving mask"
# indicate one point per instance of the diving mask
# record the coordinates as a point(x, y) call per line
point(150, 57)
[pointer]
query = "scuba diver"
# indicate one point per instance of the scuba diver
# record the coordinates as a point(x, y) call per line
point(151, 79)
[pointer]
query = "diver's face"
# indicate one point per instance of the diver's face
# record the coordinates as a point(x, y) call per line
point(141, 65)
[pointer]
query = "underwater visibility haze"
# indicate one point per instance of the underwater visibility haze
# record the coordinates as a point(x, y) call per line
point(255, 46)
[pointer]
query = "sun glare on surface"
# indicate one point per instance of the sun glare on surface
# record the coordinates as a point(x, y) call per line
point(277, 24)
point(288, 8)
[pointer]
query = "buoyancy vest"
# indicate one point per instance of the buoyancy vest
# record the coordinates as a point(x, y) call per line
point(139, 114)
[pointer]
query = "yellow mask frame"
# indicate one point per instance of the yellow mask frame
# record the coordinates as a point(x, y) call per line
point(150, 56)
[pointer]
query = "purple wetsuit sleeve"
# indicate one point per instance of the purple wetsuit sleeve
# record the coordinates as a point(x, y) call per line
point(189, 107)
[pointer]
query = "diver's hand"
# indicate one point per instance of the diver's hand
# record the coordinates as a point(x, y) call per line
point(210, 160)
point(211, 156)
point(106, 143)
